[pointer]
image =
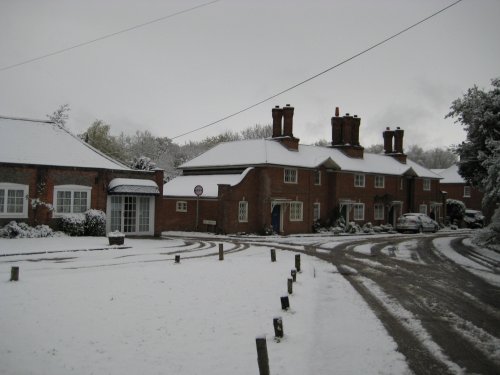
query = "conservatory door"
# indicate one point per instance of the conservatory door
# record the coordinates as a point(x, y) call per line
point(131, 214)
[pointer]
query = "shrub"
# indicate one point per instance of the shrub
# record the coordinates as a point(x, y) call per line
point(73, 225)
point(95, 223)
point(455, 210)
point(23, 230)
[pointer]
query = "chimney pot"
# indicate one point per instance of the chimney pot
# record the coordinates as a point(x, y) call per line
point(337, 112)
point(347, 114)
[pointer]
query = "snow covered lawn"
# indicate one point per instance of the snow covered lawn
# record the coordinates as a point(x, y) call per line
point(130, 311)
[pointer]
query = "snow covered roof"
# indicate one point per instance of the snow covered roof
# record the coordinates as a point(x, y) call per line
point(133, 186)
point(183, 186)
point(450, 175)
point(24, 141)
point(269, 152)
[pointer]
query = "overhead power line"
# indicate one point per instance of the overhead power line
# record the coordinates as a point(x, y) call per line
point(320, 73)
point(107, 36)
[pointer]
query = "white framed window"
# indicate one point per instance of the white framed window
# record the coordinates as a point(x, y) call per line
point(181, 206)
point(296, 211)
point(290, 175)
point(316, 211)
point(422, 209)
point(71, 199)
point(466, 191)
point(379, 182)
point(14, 200)
point(427, 184)
point(243, 212)
point(359, 180)
point(317, 177)
point(359, 211)
point(378, 211)
point(130, 214)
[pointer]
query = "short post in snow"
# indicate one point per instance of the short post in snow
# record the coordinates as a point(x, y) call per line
point(273, 255)
point(285, 303)
point(262, 357)
point(14, 274)
point(221, 251)
point(278, 327)
point(177, 259)
point(297, 262)
point(293, 273)
point(290, 286)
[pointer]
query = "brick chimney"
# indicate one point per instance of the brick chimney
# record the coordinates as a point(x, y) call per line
point(277, 113)
point(285, 137)
point(337, 129)
point(347, 129)
point(345, 134)
point(398, 140)
point(388, 134)
point(356, 122)
point(397, 151)
point(288, 121)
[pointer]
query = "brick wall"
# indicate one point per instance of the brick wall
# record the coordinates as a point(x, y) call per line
point(42, 179)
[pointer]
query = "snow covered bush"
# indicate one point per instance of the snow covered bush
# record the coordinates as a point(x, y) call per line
point(73, 225)
point(489, 236)
point(23, 230)
point(455, 210)
point(95, 223)
point(368, 228)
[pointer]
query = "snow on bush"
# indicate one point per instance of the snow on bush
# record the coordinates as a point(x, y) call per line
point(23, 230)
point(455, 210)
point(95, 223)
point(489, 236)
point(73, 225)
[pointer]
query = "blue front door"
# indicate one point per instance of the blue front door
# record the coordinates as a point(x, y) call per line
point(276, 218)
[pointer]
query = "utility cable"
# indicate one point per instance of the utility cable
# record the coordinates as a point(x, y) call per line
point(107, 36)
point(320, 73)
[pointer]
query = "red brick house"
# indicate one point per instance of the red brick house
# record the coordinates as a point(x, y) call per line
point(43, 162)
point(457, 188)
point(277, 182)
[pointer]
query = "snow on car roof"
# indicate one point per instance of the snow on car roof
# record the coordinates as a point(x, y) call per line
point(269, 152)
point(39, 142)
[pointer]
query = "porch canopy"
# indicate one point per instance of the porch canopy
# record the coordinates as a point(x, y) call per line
point(133, 186)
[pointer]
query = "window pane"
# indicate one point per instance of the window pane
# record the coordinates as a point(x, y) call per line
point(296, 211)
point(144, 214)
point(116, 213)
point(316, 211)
point(15, 201)
point(2, 200)
point(243, 212)
point(129, 214)
point(63, 202)
point(359, 211)
point(79, 201)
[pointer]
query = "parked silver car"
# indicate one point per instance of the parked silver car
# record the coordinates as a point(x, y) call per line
point(416, 222)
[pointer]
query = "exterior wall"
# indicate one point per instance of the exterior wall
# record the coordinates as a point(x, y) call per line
point(456, 191)
point(42, 179)
point(167, 218)
point(264, 185)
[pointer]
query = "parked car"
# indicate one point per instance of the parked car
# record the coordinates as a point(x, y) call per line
point(474, 219)
point(416, 222)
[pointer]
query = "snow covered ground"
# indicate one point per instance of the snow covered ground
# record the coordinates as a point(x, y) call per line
point(133, 310)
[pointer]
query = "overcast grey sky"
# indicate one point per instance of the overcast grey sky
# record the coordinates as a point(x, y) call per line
point(184, 72)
